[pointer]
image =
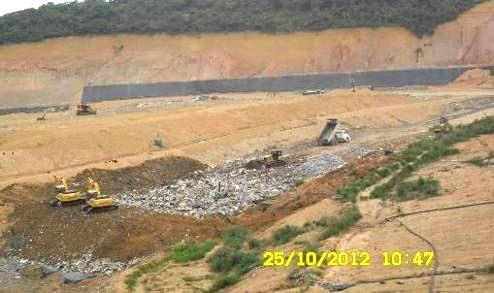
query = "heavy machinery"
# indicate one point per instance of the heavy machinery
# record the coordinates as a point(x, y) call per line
point(95, 201)
point(65, 196)
point(330, 135)
point(443, 126)
point(275, 158)
point(85, 109)
point(93, 189)
point(60, 184)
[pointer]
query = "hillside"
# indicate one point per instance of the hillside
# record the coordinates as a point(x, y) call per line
point(54, 71)
point(95, 17)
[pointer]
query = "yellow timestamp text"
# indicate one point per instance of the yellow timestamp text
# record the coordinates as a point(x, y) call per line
point(344, 258)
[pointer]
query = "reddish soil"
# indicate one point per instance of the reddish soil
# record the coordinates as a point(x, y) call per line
point(308, 194)
point(49, 233)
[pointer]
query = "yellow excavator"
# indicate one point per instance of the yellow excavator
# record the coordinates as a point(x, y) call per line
point(95, 201)
point(65, 195)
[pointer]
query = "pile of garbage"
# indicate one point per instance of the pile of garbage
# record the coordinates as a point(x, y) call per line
point(228, 190)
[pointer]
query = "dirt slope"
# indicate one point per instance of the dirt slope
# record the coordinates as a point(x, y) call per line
point(209, 133)
point(54, 71)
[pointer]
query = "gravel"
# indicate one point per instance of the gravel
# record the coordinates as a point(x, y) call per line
point(358, 151)
point(228, 190)
point(10, 269)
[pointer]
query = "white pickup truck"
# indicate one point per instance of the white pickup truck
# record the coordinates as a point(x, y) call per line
point(342, 136)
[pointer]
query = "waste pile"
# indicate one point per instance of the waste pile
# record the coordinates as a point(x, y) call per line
point(228, 190)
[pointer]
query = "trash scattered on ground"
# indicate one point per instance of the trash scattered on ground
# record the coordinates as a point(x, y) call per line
point(228, 190)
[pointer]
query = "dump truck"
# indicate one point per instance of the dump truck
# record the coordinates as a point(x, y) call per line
point(85, 109)
point(330, 134)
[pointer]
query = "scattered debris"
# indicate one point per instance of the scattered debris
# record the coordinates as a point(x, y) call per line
point(313, 92)
point(47, 270)
point(74, 277)
point(158, 142)
point(200, 98)
point(228, 190)
point(41, 118)
point(332, 287)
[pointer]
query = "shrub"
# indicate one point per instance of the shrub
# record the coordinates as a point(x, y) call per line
point(235, 237)
point(285, 234)
point(420, 188)
point(225, 281)
point(227, 260)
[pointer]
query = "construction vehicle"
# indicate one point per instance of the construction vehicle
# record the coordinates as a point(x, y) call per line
point(60, 184)
point(275, 158)
point(330, 135)
point(85, 109)
point(65, 195)
point(93, 189)
point(313, 92)
point(95, 201)
point(443, 126)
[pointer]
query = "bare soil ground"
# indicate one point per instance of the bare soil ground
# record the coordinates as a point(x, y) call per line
point(117, 153)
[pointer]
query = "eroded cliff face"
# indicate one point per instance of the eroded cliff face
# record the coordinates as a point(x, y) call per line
point(54, 71)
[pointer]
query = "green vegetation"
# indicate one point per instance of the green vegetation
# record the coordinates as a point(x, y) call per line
point(285, 234)
point(235, 237)
point(235, 259)
point(482, 162)
point(183, 253)
point(225, 281)
point(298, 182)
point(336, 225)
point(402, 165)
point(97, 17)
point(131, 280)
point(489, 269)
point(420, 188)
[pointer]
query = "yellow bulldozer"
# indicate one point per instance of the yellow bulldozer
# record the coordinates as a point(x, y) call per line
point(95, 201)
point(85, 109)
point(65, 196)
point(443, 126)
point(275, 158)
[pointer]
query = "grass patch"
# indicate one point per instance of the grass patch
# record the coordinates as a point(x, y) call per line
point(403, 164)
point(481, 162)
point(285, 234)
point(336, 225)
point(225, 281)
point(131, 279)
point(183, 253)
point(420, 188)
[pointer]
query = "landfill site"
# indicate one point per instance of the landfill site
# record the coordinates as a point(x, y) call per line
point(187, 193)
